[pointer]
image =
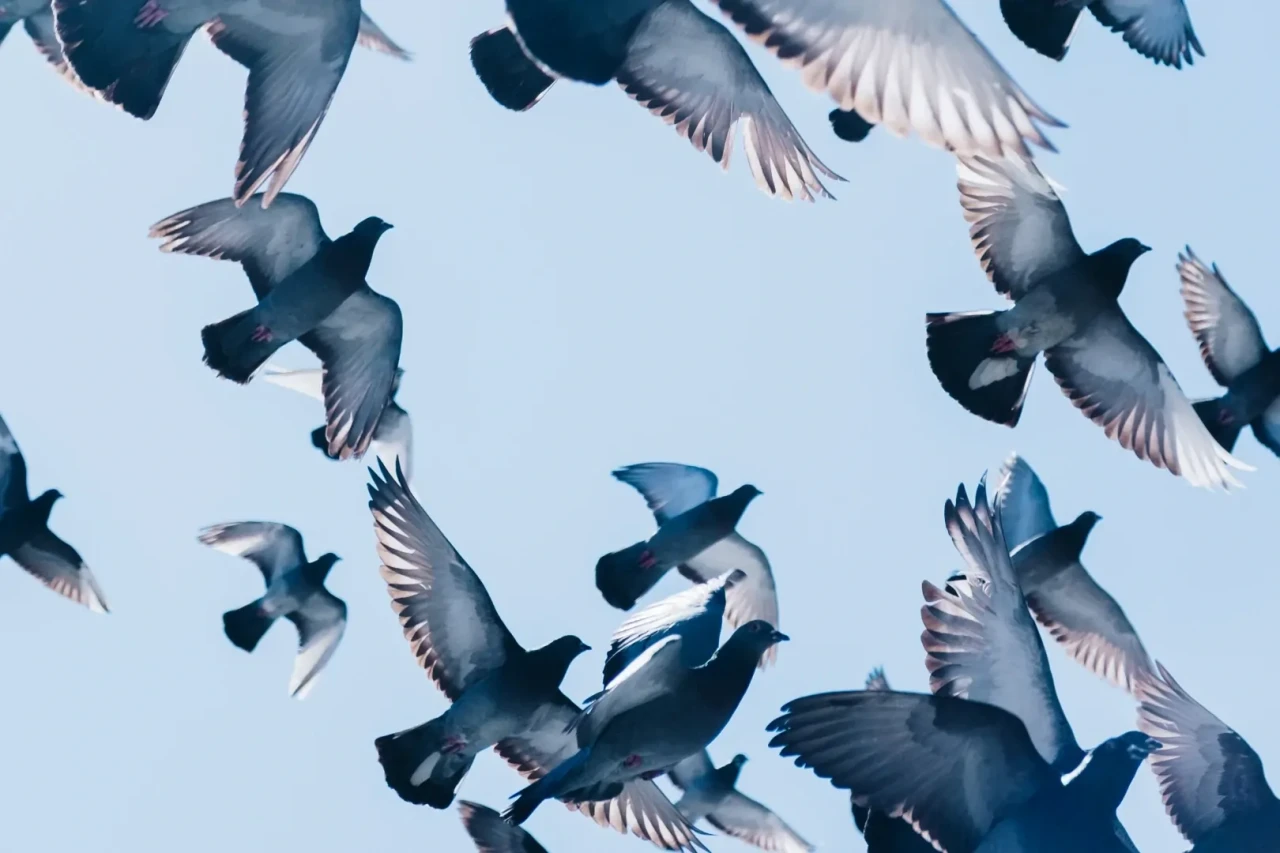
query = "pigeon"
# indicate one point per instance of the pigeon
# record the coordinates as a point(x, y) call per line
point(1235, 352)
point(710, 792)
point(392, 437)
point(694, 615)
point(36, 17)
point(503, 695)
point(656, 713)
point(1066, 308)
point(965, 773)
point(696, 533)
point(683, 66)
point(25, 535)
point(910, 65)
point(1212, 781)
point(310, 288)
point(1061, 593)
point(296, 53)
point(492, 834)
point(1160, 30)
point(295, 590)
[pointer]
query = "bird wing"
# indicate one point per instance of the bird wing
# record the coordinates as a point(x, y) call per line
point(445, 611)
point(877, 680)
point(273, 547)
point(980, 641)
point(393, 438)
point(1023, 503)
point(492, 834)
point(949, 766)
point(690, 71)
point(44, 35)
point(372, 37)
point(747, 820)
point(270, 244)
point(13, 470)
point(1158, 29)
point(1207, 773)
point(1229, 336)
point(1112, 374)
point(691, 769)
point(670, 489)
point(359, 344)
point(755, 597)
point(306, 382)
point(655, 673)
point(295, 62)
point(57, 565)
point(320, 621)
point(1019, 227)
point(910, 65)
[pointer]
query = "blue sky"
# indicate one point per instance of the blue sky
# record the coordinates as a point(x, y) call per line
point(580, 290)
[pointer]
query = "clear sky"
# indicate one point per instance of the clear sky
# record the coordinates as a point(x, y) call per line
point(581, 290)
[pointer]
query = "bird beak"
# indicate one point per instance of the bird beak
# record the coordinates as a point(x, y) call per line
point(1145, 247)
point(1140, 753)
point(779, 637)
point(387, 226)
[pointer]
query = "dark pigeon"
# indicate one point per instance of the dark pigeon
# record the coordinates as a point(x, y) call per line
point(309, 288)
point(1160, 30)
point(1061, 593)
point(1213, 783)
point(1237, 355)
point(492, 834)
point(656, 713)
point(911, 65)
point(296, 53)
point(681, 65)
point(711, 792)
point(26, 538)
point(1067, 308)
point(295, 590)
point(36, 17)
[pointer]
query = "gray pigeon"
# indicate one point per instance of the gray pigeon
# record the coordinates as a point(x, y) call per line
point(492, 834)
point(1237, 355)
point(309, 288)
point(656, 713)
point(696, 533)
point(710, 792)
point(1066, 307)
point(910, 65)
point(681, 65)
point(25, 535)
point(1213, 782)
point(295, 590)
point(503, 695)
point(36, 17)
point(1160, 30)
point(296, 52)
point(1061, 593)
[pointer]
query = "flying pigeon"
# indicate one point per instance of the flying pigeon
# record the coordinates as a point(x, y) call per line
point(656, 713)
point(1212, 781)
point(25, 535)
point(392, 437)
point(683, 66)
point(296, 54)
point(710, 792)
point(1160, 30)
point(295, 590)
point(503, 695)
point(910, 65)
point(695, 533)
point(310, 288)
point(1066, 307)
point(36, 17)
point(492, 834)
point(1235, 352)
point(1061, 593)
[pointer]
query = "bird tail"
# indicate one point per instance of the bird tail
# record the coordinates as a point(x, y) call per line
point(849, 126)
point(545, 788)
point(1044, 27)
point(966, 354)
point(246, 625)
point(124, 51)
point(416, 768)
point(239, 345)
point(622, 576)
point(1216, 417)
point(511, 77)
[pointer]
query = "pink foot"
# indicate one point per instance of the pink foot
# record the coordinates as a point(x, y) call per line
point(1225, 418)
point(150, 14)
point(650, 775)
point(1003, 344)
point(261, 335)
point(647, 560)
point(631, 761)
point(453, 745)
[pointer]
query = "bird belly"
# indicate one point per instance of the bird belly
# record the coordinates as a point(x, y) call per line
point(586, 42)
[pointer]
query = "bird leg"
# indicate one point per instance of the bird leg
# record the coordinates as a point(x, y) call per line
point(453, 745)
point(151, 14)
point(647, 560)
point(1004, 343)
point(631, 761)
point(262, 334)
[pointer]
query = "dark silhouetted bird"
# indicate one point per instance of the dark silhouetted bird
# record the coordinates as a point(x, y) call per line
point(296, 52)
point(710, 792)
point(25, 535)
point(1066, 307)
point(1213, 782)
point(685, 67)
point(492, 834)
point(295, 590)
point(309, 288)
point(1237, 355)
point(1158, 29)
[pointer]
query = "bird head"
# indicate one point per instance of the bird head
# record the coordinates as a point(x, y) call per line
point(1086, 520)
point(323, 564)
point(747, 493)
point(372, 228)
point(1117, 258)
point(44, 503)
point(757, 637)
point(558, 654)
point(1135, 746)
point(739, 760)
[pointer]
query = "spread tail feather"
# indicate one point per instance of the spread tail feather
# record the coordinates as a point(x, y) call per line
point(511, 77)
point(545, 788)
point(239, 345)
point(966, 356)
point(1045, 27)
point(416, 768)
point(1217, 418)
point(245, 626)
point(621, 578)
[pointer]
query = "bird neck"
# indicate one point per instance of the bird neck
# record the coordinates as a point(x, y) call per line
point(351, 254)
point(1102, 784)
point(728, 674)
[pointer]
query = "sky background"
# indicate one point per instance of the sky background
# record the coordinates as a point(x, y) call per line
point(581, 290)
